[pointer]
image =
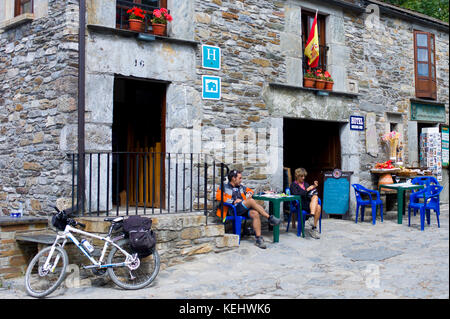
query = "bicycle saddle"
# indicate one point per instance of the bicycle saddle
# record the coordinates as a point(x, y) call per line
point(113, 219)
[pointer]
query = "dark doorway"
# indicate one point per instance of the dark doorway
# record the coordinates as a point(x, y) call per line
point(313, 145)
point(138, 135)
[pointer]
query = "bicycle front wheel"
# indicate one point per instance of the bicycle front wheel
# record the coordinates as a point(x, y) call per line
point(40, 282)
point(129, 279)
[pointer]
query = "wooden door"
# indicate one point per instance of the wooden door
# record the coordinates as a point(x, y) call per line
point(139, 134)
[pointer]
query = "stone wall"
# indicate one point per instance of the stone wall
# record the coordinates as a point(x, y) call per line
point(249, 34)
point(180, 237)
point(15, 256)
point(38, 97)
point(381, 60)
point(260, 43)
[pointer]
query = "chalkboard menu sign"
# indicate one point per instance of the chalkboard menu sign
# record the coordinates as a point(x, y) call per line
point(336, 192)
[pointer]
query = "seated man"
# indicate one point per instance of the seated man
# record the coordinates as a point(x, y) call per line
point(310, 199)
point(241, 197)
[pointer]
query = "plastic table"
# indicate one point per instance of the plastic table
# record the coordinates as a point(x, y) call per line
point(400, 188)
point(276, 200)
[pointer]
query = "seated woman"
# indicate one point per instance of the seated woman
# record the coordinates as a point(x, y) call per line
point(310, 204)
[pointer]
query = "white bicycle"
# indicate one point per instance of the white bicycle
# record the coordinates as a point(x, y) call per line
point(47, 269)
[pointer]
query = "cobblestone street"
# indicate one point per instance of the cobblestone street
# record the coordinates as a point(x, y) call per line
point(350, 260)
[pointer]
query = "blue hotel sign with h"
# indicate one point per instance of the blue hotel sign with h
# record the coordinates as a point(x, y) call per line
point(210, 57)
point(211, 86)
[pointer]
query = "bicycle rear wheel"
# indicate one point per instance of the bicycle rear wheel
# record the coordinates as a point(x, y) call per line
point(39, 282)
point(129, 279)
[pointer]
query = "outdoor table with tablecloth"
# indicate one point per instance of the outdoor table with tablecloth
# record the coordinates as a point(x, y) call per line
point(276, 200)
point(400, 188)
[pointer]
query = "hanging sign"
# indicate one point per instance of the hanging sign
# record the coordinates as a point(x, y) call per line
point(357, 123)
point(210, 57)
point(211, 87)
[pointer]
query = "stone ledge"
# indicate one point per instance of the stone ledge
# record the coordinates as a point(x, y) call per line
point(312, 90)
point(424, 101)
point(16, 21)
point(128, 33)
point(25, 220)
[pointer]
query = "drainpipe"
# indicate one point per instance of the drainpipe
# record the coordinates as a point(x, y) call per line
point(81, 104)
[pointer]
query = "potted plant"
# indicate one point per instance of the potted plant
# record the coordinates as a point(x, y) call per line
point(328, 81)
point(159, 21)
point(136, 19)
point(320, 82)
point(309, 79)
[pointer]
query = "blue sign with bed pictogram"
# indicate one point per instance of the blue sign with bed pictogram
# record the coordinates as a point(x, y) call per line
point(211, 87)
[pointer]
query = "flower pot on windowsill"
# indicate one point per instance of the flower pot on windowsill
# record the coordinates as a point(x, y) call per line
point(320, 84)
point(329, 85)
point(309, 82)
point(136, 25)
point(159, 29)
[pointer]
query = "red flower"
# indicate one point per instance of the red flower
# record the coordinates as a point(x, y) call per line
point(136, 13)
point(161, 16)
point(157, 13)
point(168, 17)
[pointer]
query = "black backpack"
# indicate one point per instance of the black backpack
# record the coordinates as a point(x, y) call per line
point(142, 238)
point(60, 221)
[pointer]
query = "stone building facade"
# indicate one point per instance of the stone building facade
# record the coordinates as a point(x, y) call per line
point(38, 98)
point(264, 116)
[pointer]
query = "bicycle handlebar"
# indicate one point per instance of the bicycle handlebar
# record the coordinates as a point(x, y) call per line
point(71, 221)
point(75, 223)
point(82, 225)
point(56, 208)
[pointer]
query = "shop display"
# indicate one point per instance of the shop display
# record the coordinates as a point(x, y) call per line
point(430, 151)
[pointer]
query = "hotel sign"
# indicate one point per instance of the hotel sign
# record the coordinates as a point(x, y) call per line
point(210, 57)
point(356, 123)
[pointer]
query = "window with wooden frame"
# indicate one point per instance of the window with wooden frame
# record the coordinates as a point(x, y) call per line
point(425, 65)
point(22, 6)
point(307, 21)
point(122, 7)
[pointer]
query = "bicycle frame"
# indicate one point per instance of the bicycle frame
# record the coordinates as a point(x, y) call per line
point(67, 234)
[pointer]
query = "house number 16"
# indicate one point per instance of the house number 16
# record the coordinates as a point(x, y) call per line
point(139, 63)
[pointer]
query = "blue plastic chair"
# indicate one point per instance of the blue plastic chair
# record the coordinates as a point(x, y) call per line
point(430, 196)
point(294, 208)
point(360, 202)
point(426, 181)
point(236, 219)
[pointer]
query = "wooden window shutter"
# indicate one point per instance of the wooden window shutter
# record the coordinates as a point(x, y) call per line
point(425, 65)
point(22, 6)
point(17, 7)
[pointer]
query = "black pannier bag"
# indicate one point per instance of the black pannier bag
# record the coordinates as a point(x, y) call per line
point(60, 221)
point(142, 238)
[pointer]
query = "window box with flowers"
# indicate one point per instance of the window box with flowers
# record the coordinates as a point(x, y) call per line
point(320, 80)
point(136, 19)
point(309, 79)
point(159, 21)
point(328, 81)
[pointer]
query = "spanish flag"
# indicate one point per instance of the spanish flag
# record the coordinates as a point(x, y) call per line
point(312, 45)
